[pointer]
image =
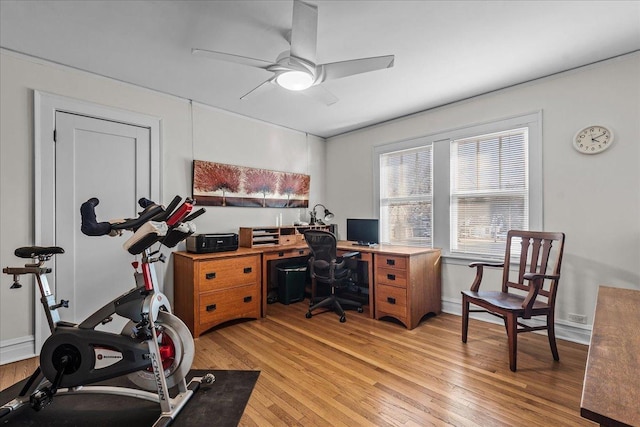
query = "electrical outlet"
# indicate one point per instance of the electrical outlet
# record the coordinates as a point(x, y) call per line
point(577, 318)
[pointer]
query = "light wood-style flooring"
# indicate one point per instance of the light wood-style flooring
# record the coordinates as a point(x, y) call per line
point(365, 372)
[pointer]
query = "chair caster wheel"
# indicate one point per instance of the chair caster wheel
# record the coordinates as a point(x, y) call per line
point(308, 315)
point(360, 310)
point(343, 319)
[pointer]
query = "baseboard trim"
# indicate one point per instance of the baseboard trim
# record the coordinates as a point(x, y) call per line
point(568, 331)
point(16, 349)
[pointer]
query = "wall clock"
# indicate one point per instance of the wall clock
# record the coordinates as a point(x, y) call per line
point(593, 139)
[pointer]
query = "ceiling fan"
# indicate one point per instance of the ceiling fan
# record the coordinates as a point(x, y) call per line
point(296, 69)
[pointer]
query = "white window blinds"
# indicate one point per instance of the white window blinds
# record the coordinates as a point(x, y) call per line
point(406, 192)
point(489, 191)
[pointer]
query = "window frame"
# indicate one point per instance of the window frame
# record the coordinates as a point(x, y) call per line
point(441, 144)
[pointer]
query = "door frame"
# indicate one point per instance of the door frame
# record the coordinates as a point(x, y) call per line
point(45, 107)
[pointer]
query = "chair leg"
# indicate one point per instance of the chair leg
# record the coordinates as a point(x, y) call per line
point(552, 336)
point(465, 318)
point(324, 303)
point(338, 308)
point(511, 322)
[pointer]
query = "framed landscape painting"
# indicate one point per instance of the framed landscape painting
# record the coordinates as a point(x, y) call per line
point(218, 184)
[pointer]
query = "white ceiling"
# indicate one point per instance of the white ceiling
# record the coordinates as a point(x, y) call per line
point(444, 50)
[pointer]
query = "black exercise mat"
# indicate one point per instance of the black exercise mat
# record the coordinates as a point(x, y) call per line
point(219, 404)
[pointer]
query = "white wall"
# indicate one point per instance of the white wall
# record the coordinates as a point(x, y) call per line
point(217, 136)
point(595, 200)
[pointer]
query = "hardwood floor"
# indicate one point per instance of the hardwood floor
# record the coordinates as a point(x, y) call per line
point(320, 372)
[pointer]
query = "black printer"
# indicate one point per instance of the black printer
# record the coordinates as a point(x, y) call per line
point(208, 243)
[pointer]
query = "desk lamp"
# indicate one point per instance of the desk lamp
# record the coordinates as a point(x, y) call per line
point(328, 216)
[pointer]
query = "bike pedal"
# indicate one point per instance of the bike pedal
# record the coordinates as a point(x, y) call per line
point(40, 399)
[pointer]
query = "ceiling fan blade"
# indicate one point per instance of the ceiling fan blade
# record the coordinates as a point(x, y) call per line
point(337, 70)
point(321, 94)
point(304, 31)
point(228, 57)
point(260, 89)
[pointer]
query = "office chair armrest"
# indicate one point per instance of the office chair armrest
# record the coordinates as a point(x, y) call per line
point(479, 265)
point(536, 282)
point(340, 261)
point(350, 255)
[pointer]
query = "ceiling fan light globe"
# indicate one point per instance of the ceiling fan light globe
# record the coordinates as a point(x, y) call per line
point(295, 80)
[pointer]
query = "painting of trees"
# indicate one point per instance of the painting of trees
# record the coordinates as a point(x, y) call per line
point(294, 184)
point(261, 181)
point(218, 184)
point(210, 176)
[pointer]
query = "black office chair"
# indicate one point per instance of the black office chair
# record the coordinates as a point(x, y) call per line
point(327, 268)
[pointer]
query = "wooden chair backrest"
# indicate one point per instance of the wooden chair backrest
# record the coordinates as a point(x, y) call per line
point(539, 252)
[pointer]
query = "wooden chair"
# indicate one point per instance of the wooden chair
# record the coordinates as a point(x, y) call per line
point(525, 296)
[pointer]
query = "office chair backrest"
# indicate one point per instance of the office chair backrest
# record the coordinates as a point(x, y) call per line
point(322, 244)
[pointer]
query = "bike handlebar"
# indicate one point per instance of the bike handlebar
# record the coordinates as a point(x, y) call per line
point(91, 227)
point(155, 224)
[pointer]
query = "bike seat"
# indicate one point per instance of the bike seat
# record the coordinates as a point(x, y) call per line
point(34, 251)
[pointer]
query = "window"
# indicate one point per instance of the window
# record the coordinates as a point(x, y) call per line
point(405, 196)
point(463, 189)
point(489, 194)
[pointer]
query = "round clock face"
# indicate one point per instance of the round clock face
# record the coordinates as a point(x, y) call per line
point(593, 139)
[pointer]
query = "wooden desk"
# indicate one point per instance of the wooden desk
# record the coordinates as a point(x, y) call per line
point(611, 394)
point(209, 289)
point(404, 281)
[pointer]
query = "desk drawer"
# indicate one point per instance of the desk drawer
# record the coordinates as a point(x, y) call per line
point(286, 253)
point(228, 272)
point(391, 300)
point(228, 304)
point(391, 261)
point(389, 276)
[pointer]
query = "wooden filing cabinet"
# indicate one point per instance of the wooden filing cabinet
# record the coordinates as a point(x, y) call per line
point(210, 289)
point(407, 285)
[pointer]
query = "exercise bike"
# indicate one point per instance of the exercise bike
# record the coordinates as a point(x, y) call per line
point(155, 348)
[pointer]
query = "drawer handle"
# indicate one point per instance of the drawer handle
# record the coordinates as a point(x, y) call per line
point(247, 270)
point(248, 299)
point(301, 251)
point(211, 307)
point(391, 262)
point(210, 276)
point(280, 253)
point(391, 276)
point(391, 300)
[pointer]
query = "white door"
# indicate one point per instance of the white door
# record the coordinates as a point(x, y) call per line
point(110, 161)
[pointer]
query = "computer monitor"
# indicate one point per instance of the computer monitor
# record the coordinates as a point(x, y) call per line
point(362, 231)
